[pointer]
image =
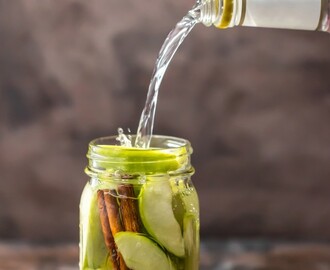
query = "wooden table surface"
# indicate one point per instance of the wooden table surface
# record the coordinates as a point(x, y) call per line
point(229, 255)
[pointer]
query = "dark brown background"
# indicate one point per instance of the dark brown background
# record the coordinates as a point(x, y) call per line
point(255, 104)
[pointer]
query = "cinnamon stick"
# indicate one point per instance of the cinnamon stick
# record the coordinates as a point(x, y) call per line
point(108, 237)
point(113, 211)
point(128, 208)
point(114, 219)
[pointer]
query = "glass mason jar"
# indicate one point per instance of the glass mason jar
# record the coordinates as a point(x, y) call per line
point(139, 210)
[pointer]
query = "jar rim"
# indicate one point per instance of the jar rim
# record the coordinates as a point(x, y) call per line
point(166, 154)
point(173, 142)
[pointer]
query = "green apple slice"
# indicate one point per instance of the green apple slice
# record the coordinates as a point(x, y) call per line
point(155, 204)
point(140, 253)
point(137, 160)
point(191, 240)
point(94, 254)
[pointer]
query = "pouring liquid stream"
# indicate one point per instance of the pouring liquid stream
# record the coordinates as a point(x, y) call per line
point(205, 11)
point(170, 46)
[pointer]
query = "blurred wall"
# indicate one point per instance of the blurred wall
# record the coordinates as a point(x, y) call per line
point(255, 104)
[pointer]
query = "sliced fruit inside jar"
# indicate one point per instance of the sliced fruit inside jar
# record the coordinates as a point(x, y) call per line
point(141, 253)
point(155, 205)
point(136, 160)
point(185, 200)
point(94, 254)
point(191, 240)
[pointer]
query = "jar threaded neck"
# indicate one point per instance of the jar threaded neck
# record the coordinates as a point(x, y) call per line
point(166, 154)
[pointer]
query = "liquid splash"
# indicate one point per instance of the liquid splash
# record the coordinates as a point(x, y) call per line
point(124, 140)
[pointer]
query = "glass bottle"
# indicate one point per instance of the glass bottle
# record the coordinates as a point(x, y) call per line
point(139, 210)
point(289, 14)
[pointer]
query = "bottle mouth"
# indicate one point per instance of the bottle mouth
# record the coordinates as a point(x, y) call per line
point(166, 154)
point(219, 13)
point(209, 11)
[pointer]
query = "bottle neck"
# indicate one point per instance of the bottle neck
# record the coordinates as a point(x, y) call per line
point(288, 14)
point(219, 13)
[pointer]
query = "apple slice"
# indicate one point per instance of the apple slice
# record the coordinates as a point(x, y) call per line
point(94, 254)
point(155, 205)
point(141, 253)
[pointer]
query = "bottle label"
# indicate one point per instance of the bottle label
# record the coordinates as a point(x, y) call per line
point(290, 14)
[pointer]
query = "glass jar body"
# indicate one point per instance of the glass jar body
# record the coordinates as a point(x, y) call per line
point(139, 216)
